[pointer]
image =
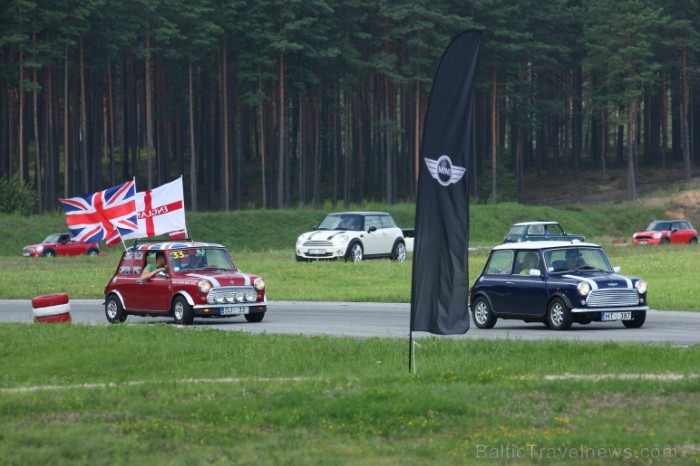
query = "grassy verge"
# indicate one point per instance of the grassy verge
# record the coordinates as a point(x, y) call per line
point(158, 394)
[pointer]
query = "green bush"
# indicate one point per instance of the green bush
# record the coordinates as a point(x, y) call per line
point(16, 197)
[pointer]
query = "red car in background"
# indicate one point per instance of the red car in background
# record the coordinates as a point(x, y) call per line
point(60, 244)
point(667, 232)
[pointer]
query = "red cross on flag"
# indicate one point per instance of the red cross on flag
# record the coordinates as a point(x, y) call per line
point(160, 210)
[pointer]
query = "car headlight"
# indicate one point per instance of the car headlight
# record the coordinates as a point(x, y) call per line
point(204, 286)
point(641, 287)
point(340, 239)
point(657, 235)
point(583, 288)
point(259, 284)
point(300, 240)
point(39, 248)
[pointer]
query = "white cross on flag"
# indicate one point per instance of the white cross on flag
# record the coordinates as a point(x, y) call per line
point(160, 210)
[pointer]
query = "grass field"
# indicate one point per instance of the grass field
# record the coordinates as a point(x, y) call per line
point(152, 394)
point(158, 394)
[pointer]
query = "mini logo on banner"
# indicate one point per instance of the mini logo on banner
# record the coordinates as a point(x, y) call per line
point(443, 171)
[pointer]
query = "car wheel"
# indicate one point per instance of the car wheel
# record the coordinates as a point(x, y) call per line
point(93, 252)
point(398, 252)
point(482, 314)
point(693, 241)
point(559, 315)
point(182, 311)
point(49, 253)
point(354, 252)
point(637, 320)
point(665, 241)
point(114, 311)
point(255, 317)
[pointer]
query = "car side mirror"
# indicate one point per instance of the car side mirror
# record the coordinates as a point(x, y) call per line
point(371, 229)
point(617, 269)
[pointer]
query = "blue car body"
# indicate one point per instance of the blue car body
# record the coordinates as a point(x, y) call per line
point(558, 283)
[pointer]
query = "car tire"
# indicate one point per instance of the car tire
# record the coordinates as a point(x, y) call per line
point(693, 241)
point(398, 252)
point(114, 311)
point(559, 315)
point(354, 252)
point(182, 311)
point(482, 315)
point(49, 253)
point(255, 317)
point(93, 252)
point(665, 241)
point(637, 320)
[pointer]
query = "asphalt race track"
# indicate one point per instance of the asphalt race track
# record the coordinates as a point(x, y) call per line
point(365, 320)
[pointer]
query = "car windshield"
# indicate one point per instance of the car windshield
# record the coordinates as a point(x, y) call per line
point(576, 258)
point(659, 226)
point(342, 222)
point(200, 259)
point(52, 238)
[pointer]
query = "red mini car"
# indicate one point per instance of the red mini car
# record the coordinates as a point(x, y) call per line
point(60, 244)
point(199, 280)
point(667, 232)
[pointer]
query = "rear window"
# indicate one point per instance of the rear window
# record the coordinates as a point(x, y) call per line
point(132, 263)
point(500, 263)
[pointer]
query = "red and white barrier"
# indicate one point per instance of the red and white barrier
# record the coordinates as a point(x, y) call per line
point(51, 308)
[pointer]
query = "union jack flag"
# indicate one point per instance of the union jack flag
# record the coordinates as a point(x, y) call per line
point(104, 215)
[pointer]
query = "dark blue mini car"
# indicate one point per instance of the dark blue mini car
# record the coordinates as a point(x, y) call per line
point(557, 283)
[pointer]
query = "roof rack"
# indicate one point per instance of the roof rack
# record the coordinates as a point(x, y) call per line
point(138, 241)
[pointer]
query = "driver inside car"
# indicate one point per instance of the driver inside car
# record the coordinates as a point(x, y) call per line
point(151, 270)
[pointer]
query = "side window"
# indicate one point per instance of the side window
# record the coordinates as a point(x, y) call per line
point(537, 230)
point(387, 221)
point(500, 263)
point(373, 221)
point(526, 260)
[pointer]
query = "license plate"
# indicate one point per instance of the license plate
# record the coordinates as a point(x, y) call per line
point(315, 252)
point(227, 311)
point(616, 316)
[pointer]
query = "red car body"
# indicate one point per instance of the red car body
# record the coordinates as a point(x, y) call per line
point(202, 281)
point(60, 244)
point(667, 232)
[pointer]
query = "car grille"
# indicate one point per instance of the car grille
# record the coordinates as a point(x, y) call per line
point(318, 243)
point(644, 237)
point(232, 295)
point(612, 297)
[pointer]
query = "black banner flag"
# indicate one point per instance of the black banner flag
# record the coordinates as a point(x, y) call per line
point(440, 277)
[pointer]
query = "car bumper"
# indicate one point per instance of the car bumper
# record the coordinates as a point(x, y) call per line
point(646, 241)
point(584, 310)
point(229, 310)
point(316, 252)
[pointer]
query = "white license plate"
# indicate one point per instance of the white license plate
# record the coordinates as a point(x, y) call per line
point(616, 316)
point(227, 311)
point(315, 252)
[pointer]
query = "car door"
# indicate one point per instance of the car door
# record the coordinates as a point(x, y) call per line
point(147, 295)
point(680, 234)
point(66, 247)
point(374, 241)
point(527, 294)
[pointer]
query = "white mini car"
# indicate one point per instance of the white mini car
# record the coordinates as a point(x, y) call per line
point(353, 236)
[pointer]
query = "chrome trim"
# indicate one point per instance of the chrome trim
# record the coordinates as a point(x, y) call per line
point(610, 309)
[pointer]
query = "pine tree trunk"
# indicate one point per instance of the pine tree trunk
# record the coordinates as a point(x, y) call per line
point(193, 155)
point(149, 112)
